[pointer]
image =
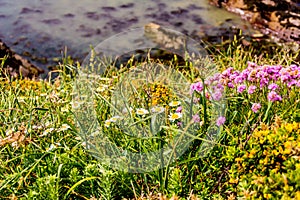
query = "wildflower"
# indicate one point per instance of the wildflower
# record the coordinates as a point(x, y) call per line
point(157, 109)
point(179, 124)
point(230, 85)
point(196, 100)
point(179, 109)
point(107, 123)
point(273, 96)
point(174, 116)
point(238, 79)
point(220, 121)
point(141, 111)
point(47, 131)
point(255, 107)
point(126, 110)
point(115, 118)
point(14, 144)
point(196, 118)
point(273, 86)
point(251, 89)
point(197, 87)
point(76, 104)
point(217, 95)
point(9, 132)
point(241, 88)
point(174, 103)
point(64, 127)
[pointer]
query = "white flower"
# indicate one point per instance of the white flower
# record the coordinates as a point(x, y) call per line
point(102, 88)
point(142, 111)
point(43, 94)
point(174, 103)
point(76, 104)
point(47, 131)
point(64, 109)
point(125, 110)
point(52, 146)
point(9, 132)
point(14, 144)
point(157, 109)
point(174, 116)
point(115, 118)
point(64, 127)
point(107, 123)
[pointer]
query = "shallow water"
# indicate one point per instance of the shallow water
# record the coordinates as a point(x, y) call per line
point(41, 28)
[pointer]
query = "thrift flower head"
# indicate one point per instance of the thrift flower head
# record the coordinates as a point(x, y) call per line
point(241, 88)
point(174, 116)
point(273, 86)
point(251, 89)
point(141, 111)
point(179, 109)
point(174, 103)
point(217, 95)
point(255, 107)
point(273, 96)
point(197, 87)
point(196, 118)
point(220, 121)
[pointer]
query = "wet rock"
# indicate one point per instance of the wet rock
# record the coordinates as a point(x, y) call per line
point(52, 21)
point(108, 8)
point(179, 12)
point(16, 66)
point(69, 15)
point(129, 5)
point(30, 10)
point(277, 18)
point(194, 7)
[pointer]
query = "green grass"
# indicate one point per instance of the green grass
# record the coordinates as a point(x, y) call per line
point(43, 154)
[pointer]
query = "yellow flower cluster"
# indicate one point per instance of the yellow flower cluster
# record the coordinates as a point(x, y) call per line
point(157, 94)
point(24, 85)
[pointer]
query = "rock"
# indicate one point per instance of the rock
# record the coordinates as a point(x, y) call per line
point(280, 19)
point(15, 65)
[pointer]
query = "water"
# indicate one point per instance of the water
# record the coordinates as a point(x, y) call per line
point(42, 29)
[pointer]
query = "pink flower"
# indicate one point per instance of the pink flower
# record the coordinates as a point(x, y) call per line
point(217, 95)
point(220, 121)
point(230, 85)
point(255, 107)
point(241, 88)
point(197, 87)
point(273, 86)
point(196, 118)
point(251, 89)
point(179, 109)
point(273, 96)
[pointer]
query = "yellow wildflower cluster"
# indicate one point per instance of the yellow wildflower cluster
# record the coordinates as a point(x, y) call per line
point(157, 94)
point(24, 85)
point(271, 159)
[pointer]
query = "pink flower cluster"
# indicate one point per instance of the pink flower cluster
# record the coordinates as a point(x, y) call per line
point(265, 76)
point(270, 78)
